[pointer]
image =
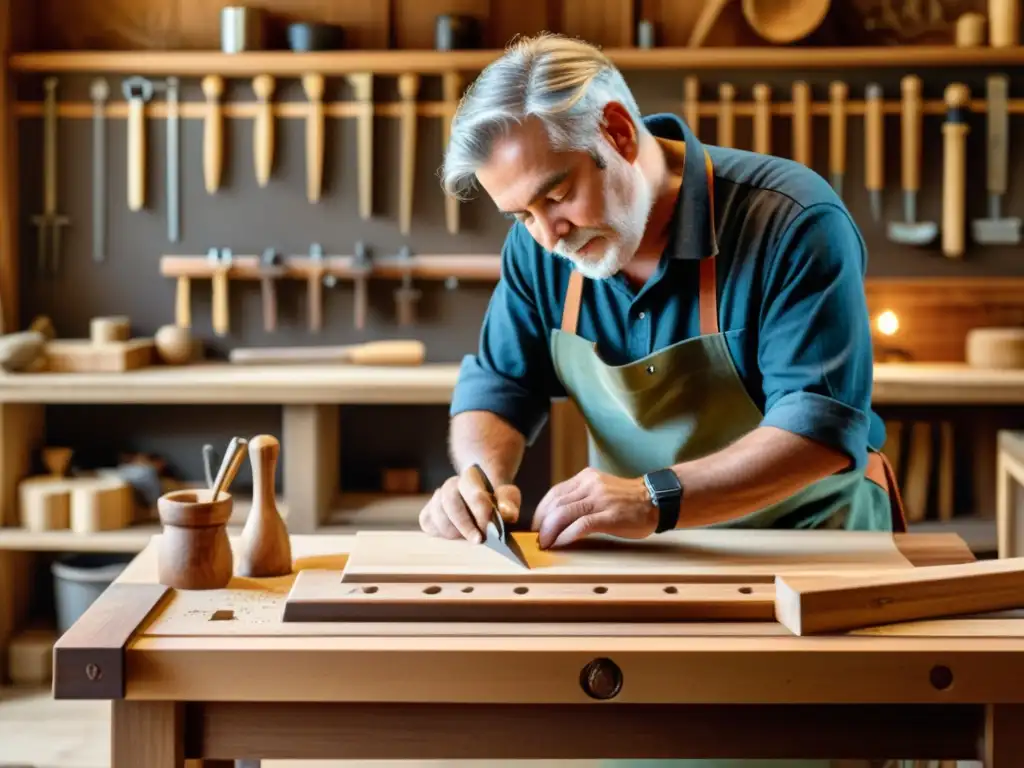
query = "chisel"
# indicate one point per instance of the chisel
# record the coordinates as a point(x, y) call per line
point(263, 128)
point(213, 133)
point(408, 87)
point(391, 352)
point(99, 92)
point(173, 161)
point(802, 123)
point(837, 135)
point(874, 149)
point(762, 119)
point(313, 85)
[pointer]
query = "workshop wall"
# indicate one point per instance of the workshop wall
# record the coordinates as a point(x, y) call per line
point(246, 218)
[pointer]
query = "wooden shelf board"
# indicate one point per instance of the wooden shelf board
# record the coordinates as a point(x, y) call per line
point(979, 533)
point(225, 383)
point(946, 383)
point(285, 63)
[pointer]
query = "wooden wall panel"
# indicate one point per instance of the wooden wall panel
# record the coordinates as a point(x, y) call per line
point(414, 20)
point(511, 18)
point(936, 314)
point(608, 23)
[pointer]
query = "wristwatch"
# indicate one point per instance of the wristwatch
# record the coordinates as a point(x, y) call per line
point(666, 494)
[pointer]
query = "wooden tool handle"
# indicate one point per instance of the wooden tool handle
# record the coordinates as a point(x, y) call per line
point(220, 301)
point(874, 138)
point(954, 192)
point(452, 87)
point(1003, 23)
point(998, 128)
point(233, 457)
point(391, 352)
point(213, 130)
point(263, 128)
point(726, 115)
point(314, 292)
point(314, 88)
point(691, 102)
point(802, 123)
point(136, 154)
point(408, 86)
point(268, 293)
point(183, 303)
point(762, 119)
point(50, 145)
point(708, 16)
point(837, 127)
point(362, 87)
point(910, 87)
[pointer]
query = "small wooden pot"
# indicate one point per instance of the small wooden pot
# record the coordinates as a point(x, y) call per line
point(195, 552)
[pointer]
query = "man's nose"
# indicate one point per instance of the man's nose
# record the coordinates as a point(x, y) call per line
point(553, 230)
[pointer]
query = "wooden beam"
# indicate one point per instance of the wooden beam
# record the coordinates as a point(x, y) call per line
point(9, 203)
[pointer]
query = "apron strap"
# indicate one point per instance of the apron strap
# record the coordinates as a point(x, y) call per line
point(880, 472)
point(708, 290)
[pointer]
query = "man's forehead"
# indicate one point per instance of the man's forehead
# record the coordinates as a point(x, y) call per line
point(519, 162)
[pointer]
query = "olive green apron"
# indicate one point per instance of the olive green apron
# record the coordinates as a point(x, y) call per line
point(688, 401)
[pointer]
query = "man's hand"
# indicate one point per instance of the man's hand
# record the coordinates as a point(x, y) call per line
point(461, 507)
point(594, 502)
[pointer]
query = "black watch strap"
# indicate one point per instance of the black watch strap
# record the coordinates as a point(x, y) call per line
point(666, 493)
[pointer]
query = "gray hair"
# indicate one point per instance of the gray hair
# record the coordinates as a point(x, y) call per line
point(563, 82)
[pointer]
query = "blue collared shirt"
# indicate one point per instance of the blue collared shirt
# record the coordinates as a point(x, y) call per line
point(790, 264)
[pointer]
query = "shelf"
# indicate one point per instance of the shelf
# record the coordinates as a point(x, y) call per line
point(354, 511)
point(224, 383)
point(287, 63)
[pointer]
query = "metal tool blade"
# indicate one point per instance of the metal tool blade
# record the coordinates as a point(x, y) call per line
point(173, 166)
point(495, 535)
point(99, 92)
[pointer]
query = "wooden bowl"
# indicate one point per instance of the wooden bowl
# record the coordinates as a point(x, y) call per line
point(785, 21)
point(194, 550)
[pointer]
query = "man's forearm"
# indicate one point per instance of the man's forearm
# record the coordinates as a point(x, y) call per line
point(761, 468)
point(481, 437)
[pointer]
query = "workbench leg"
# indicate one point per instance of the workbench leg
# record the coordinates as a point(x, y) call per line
point(1004, 735)
point(147, 733)
point(310, 452)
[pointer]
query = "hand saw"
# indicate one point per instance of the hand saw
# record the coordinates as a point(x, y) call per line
point(495, 535)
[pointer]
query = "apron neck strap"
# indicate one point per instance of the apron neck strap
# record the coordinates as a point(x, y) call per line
point(707, 297)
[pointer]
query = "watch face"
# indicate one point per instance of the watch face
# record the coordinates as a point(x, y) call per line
point(663, 482)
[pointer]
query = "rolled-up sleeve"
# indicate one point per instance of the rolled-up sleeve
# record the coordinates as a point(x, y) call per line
point(511, 375)
point(814, 346)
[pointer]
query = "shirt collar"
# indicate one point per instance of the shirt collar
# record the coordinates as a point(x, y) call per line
point(693, 236)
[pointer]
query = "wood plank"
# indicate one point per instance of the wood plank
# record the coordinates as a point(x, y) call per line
point(810, 605)
point(320, 596)
point(89, 659)
point(683, 555)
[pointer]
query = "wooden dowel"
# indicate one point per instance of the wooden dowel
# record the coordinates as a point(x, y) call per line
point(426, 267)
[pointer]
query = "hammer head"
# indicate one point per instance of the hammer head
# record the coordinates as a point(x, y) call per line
point(137, 87)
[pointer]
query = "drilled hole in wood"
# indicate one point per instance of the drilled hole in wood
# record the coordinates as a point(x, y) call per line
point(746, 590)
point(600, 590)
point(370, 590)
point(432, 590)
point(521, 590)
point(467, 589)
point(670, 590)
point(223, 615)
point(941, 677)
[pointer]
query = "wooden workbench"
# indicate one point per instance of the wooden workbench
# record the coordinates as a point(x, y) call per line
point(216, 675)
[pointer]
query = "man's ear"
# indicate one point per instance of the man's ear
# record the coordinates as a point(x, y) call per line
point(620, 131)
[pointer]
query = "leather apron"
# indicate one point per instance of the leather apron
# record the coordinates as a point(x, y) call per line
point(687, 401)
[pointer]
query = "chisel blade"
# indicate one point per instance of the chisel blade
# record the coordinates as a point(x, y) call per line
point(505, 546)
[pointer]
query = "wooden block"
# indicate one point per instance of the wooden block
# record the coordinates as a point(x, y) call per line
point(103, 330)
point(320, 595)
point(683, 555)
point(814, 604)
point(30, 657)
point(44, 503)
point(84, 504)
point(82, 356)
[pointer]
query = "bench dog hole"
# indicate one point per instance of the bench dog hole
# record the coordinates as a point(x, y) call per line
point(670, 590)
point(746, 590)
point(370, 590)
point(521, 590)
point(225, 614)
point(467, 589)
point(600, 590)
point(432, 590)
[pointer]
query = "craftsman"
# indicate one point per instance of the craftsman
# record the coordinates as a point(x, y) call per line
point(703, 307)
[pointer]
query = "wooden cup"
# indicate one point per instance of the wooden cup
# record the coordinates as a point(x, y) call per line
point(195, 552)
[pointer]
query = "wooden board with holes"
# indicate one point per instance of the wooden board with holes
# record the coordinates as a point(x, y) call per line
point(321, 596)
point(706, 555)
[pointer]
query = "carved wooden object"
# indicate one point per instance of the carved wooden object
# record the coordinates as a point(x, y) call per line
point(266, 548)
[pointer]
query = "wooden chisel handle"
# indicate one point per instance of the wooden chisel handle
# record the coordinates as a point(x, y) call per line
point(998, 130)
point(183, 303)
point(392, 352)
point(136, 154)
point(313, 85)
point(954, 192)
point(910, 126)
point(314, 290)
point(362, 87)
point(452, 87)
point(268, 292)
point(874, 139)
point(263, 128)
point(220, 301)
point(691, 103)
point(802, 123)
point(838, 92)
point(726, 115)
point(213, 133)
point(762, 119)
point(408, 87)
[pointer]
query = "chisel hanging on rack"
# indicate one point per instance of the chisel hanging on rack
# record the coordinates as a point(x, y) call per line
point(802, 142)
point(313, 85)
point(263, 128)
point(137, 91)
point(99, 92)
point(408, 87)
point(362, 89)
point(837, 135)
point(762, 119)
point(451, 84)
point(173, 161)
point(213, 133)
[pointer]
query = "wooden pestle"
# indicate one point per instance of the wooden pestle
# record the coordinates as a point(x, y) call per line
point(265, 547)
